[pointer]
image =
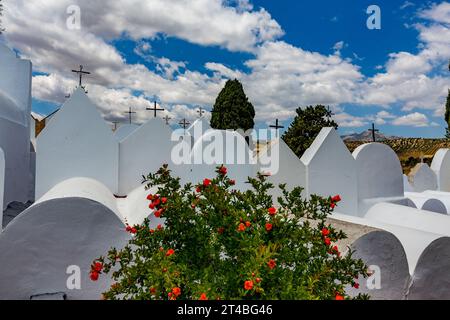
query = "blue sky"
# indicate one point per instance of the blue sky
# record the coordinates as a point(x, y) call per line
point(394, 76)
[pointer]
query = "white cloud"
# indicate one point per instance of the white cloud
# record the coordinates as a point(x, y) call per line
point(415, 119)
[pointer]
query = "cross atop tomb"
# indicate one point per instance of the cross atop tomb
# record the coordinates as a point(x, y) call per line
point(130, 113)
point(167, 118)
point(81, 73)
point(184, 123)
point(374, 131)
point(154, 109)
point(329, 113)
point(115, 123)
point(200, 112)
point(276, 126)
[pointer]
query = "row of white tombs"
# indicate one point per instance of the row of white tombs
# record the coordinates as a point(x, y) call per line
point(85, 182)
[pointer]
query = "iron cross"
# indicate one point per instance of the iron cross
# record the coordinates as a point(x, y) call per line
point(374, 131)
point(115, 123)
point(200, 111)
point(329, 113)
point(154, 109)
point(129, 112)
point(167, 118)
point(276, 126)
point(80, 73)
point(184, 123)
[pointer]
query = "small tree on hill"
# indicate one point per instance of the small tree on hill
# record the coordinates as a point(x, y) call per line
point(306, 126)
point(232, 110)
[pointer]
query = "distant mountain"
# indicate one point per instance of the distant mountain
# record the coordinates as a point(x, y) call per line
point(367, 136)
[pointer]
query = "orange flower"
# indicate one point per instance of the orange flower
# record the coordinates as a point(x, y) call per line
point(248, 285)
point(269, 226)
point(176, 291)
point(241, 227)
point(248, 224)
point(170, 252)
point(339, 297)
point(152, 290)
point(203, 297)
point(272, 211)
point(272, 264)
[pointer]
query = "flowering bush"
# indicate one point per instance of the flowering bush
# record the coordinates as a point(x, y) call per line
point(219, 243)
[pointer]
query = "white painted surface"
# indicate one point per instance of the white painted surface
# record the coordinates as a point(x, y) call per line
point(406, 185)
point(331, 170)
point(15, 109)
point(410, 218)
point(217, 147)
point(124, 131)
point(413, 241)
point(422, 178)
point(441, 166)
point(290, 170)
point(144, 151)
point(379, 175)
point(82, 188)
point(76, 143)
point(2, 185)
point(421, 197)
point(135, 207)
point(198, 128)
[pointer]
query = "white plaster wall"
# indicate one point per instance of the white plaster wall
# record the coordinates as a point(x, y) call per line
point(410, 218)
point(76, 143)
point(124, 131)
point(15, 84)
point(144, 151)
point(379, 173)
point(2, 185)
point(441, 166)
point(38, 246)
point(421, 197)
point(331, 170)
point(413, 241)
point(422, 178)
point(198, 128)
point(217, 147)
point(406, 185)
point(82, 188)
point(287, 168)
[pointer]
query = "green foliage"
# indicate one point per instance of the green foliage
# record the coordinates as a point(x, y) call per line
point(306, 126)
point(447, 116)
point(219, 243)
point(232, 110)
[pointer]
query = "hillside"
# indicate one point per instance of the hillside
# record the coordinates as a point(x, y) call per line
point(409, 150)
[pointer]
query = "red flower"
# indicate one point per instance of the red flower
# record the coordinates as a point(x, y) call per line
point(152, 290)
point(327, 241)
point(98, 266)
point(164, 200)
point(325, 232)
point(221, 230)
point(150, 197)
point(128, 228)
point(232, 182)
point(258, 280)
point(94, 276)
point(248, 224)
point(203, 297)
point(272, 211)
point(133, 230)
point(241, 227)
point(176, 291)
point(206, 182)
point(336, 198)
point(248, 285)
point(156, 202)
point(356, 285)
point(198, 189)
point(170, 252)
point(269, 226)
point(159, 227)
point(332, 205)
point(339, 297)
point(223, 170)
point(158, 213)
point(151, 206)
point(272, 264)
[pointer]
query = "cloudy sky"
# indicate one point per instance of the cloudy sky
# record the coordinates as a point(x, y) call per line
point(288, 54)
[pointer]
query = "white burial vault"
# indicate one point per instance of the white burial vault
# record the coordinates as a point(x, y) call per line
point(77, 143)
point(15, 108)
point(422, 178)
point(330, 170)
point(441, 166)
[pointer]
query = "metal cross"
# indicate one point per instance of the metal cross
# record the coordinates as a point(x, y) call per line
point(129, 112)
point(329, 113)
point(184, 123)
point(276, 126)
point(374, 131)
point(200, 111)
point(81, 72)
point(154, 109)
point(115, 123)
point(167, 118)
